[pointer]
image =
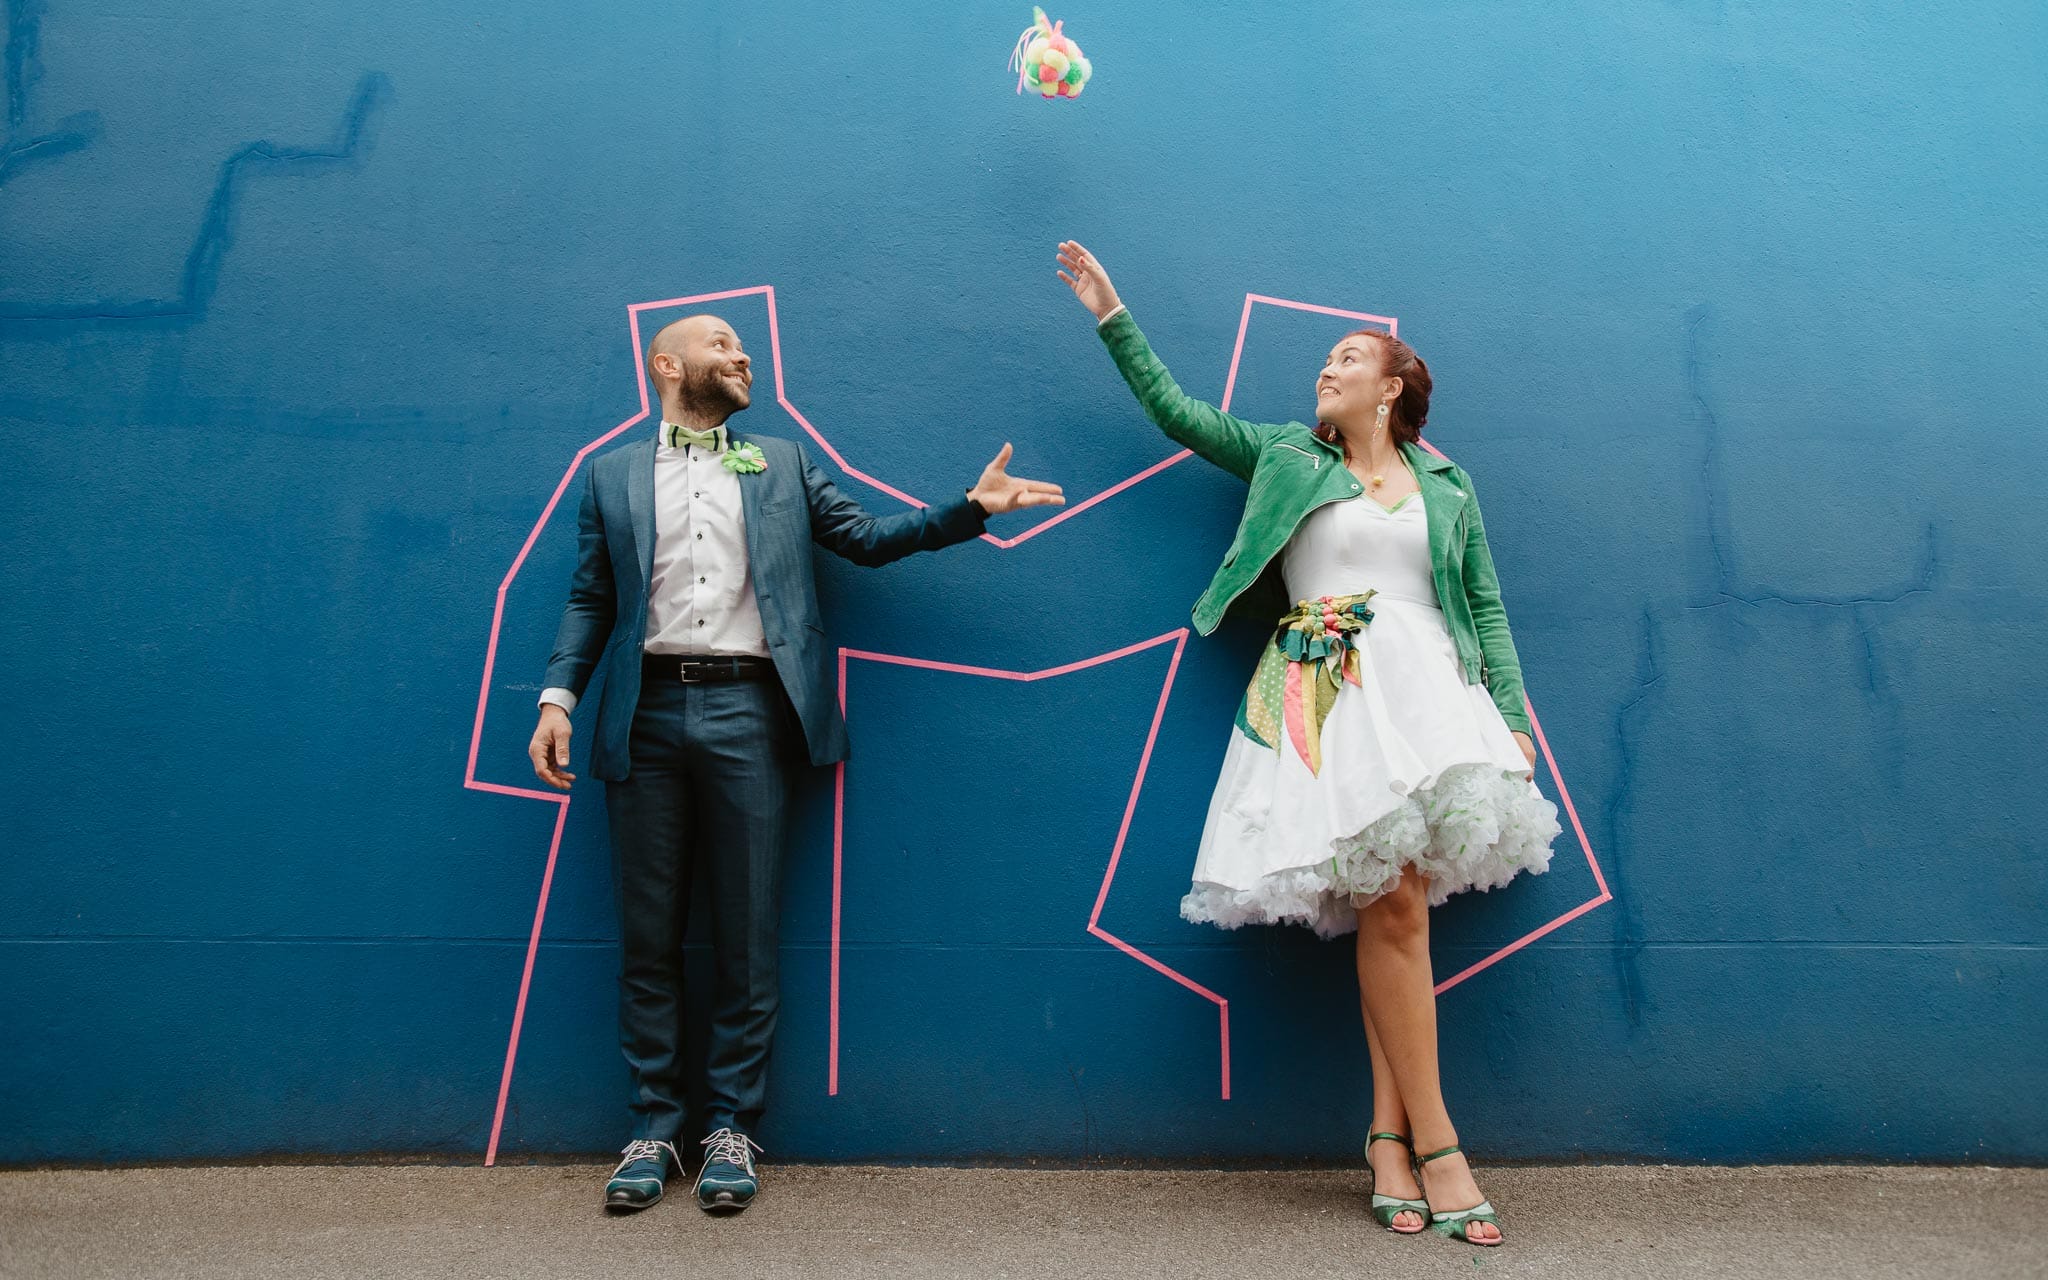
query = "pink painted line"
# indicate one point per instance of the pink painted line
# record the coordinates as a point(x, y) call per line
point(1244, 322)
point(483, 695)
point(838, 890)
point(540, 913)
point(1138, 784)
point(529, 793)
point(1069, 513)
point(839, 460)
point(1522, 941)
point(1585, 845)
point(636, 308)
point(930, 664)
point(1179, 637)
point(469, 778)
point(1564, 794)
point(1116, 857)
point(1393, 325)
point(1222, 1005)
point(633, 312)
point(782, 398)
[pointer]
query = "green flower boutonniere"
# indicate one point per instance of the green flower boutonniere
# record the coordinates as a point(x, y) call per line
point(745, 459)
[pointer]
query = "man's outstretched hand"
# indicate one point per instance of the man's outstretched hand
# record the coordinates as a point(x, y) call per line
point(998, 491)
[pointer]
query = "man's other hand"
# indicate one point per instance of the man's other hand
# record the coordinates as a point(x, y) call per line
point(549, 749)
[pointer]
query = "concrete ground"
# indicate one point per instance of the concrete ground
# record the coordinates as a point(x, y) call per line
point(515, 1222)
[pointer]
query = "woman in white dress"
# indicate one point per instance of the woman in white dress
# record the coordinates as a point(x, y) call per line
point(1381, 759)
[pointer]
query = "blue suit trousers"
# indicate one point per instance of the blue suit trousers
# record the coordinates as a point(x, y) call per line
point(710, 788)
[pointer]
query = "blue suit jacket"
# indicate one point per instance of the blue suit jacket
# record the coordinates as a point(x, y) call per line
point(787, 507)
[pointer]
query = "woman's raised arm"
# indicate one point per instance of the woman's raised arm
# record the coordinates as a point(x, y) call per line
point(1230, 443)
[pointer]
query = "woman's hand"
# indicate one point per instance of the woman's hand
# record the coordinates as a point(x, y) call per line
point(1528, 748)
point(1085, 276)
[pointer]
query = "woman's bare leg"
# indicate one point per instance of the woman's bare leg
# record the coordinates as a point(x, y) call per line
point(1392, 1175)
point(1398, 992)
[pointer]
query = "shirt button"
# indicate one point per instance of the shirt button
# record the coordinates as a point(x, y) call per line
point(700, 537)
point(1354, 484)
point(700, 581)
point(700, 622)
point(696, 495)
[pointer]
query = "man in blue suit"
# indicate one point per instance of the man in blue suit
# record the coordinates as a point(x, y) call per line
point(694, 590)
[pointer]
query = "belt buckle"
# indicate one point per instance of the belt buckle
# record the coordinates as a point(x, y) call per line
point(708, 670)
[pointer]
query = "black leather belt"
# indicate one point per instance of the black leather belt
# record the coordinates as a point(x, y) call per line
point(699, 670)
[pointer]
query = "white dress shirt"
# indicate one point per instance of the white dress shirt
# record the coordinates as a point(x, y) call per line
point(701, 597)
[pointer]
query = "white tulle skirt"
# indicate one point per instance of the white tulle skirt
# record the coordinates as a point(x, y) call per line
point(1418, 770)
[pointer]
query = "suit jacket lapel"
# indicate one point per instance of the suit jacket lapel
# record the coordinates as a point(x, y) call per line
point(640, 506)
point(750, 507)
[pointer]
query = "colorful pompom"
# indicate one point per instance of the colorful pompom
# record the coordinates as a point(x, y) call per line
point(1049, 60)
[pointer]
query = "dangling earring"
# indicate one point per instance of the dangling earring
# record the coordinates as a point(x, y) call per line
point(1379, 425)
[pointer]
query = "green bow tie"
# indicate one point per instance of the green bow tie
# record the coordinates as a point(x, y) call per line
point(675, 436)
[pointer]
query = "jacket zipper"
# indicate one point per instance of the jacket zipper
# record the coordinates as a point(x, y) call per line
point(1315, 464)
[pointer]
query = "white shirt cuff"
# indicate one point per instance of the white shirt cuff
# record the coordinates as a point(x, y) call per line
point(1114, 312)
point(559, 697)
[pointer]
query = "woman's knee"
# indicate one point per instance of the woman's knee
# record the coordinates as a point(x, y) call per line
point(1401, 914)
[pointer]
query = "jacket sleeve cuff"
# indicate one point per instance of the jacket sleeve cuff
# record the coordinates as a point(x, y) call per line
point(960, 519)
point(559, 698)
point(1128, 348)
point(1117, 330)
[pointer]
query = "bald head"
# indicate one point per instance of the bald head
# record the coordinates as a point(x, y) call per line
point(700, 370)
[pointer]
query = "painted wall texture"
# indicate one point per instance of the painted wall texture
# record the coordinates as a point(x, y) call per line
point(1736, 312)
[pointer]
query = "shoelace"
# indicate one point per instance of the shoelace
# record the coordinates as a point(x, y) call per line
point(732, 1148)
point(646, 1149)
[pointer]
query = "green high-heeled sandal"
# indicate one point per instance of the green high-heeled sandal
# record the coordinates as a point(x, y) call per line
point(1386, 1208)
point(1456, 1224)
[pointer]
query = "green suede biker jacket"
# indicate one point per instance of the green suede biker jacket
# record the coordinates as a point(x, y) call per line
point(1291, 473)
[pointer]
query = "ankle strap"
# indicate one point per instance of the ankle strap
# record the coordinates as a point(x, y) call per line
point(1371, 1138)
point(1438, 1155)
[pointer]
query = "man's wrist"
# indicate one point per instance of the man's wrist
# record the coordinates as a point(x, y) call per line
point(561, 699)
point(977, 503)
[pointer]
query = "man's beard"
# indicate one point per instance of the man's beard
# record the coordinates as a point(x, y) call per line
point(705, 392)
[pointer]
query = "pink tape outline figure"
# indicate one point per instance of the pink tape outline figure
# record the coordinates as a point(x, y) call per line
point(1179, 637)
point(1094, 927)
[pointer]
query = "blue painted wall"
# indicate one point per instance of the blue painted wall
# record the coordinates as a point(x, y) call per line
point(1736, 312)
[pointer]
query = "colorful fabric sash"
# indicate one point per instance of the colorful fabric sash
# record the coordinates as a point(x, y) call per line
point(1314, 651)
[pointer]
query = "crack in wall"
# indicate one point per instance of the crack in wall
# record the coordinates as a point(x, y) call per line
point(216, 232)
point(1866, 611)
